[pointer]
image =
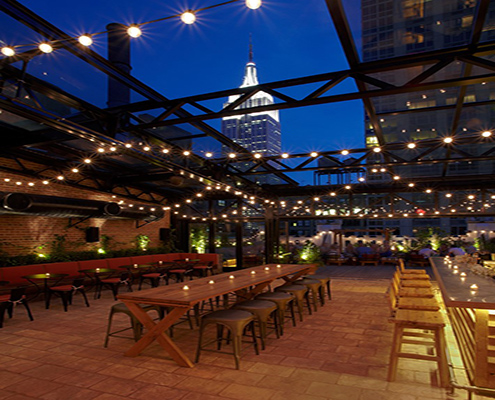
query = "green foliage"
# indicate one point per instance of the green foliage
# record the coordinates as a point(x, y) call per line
point(141, 242)
point(434, 236)
point(309, 254)
point(199, 238)
point(484, 244)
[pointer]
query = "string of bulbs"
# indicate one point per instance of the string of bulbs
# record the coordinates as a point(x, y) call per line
point(134, 30)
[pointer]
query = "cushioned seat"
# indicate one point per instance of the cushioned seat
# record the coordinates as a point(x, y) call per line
point(236, 321)
point(263, 310)
point(282, 300)
point(299, 292)
point(315, 288)
point(66, 292)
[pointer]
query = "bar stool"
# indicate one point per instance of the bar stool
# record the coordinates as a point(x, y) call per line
point(300, 292)
point(263, 310)
point(315, 288)
point(136, 326)
point(417, 283)
point(411, 291)
point(419, 321)
point(236, 321)
point(325, 281)
point(282, 301)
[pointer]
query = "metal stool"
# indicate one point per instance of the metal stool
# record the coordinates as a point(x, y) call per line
point(325, 281)
point(236, 321)
point(314, 286)
point(282, 300)
point(262, 310)
point(136, 326)
point(300, 292)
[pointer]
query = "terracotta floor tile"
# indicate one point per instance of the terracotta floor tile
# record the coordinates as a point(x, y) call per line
point(48, 372)
point(302, 362)
point(268, 369)
point(70, 392)
point(295, 396)
point(122, 371)
point(333, 391)
point(8, 378)
point(33, 387)
point(81, 379)
point(158, 392)
point(160, 378)
point(121, 387)
point(201, 385)
point(243, 392)
point(241, 377)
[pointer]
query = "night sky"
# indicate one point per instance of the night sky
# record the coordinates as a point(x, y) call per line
point(290, 38)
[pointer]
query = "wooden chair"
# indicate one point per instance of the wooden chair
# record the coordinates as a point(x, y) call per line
point(404, 271)
point(411, 291)
point(409, 303)
point(414, 283)
point(409, 329)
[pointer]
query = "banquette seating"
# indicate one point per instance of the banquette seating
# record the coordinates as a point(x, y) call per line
point(14, 275)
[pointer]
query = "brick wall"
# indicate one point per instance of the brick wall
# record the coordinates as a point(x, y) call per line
point(21, 234)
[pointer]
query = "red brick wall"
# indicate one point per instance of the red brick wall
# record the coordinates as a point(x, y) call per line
point(21, 234)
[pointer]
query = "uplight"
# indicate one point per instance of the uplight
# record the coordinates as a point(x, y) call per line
point(253, 4)
point(188, 17)
point(134, 31)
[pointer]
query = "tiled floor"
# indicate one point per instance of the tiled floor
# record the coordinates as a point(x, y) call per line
point(340, 352)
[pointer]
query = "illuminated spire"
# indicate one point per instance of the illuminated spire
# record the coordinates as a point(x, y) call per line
point(250, 75)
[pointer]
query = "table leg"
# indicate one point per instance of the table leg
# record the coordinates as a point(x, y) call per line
point(289, 280)
point(156, 331)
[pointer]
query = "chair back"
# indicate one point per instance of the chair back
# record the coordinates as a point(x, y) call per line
point(78, 283)
point(401, 265)
point(17, 294)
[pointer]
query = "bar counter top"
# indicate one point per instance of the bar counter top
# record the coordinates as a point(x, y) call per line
point(457, 292)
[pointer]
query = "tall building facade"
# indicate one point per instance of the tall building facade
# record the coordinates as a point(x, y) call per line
point(256, 132)
point(392, 28)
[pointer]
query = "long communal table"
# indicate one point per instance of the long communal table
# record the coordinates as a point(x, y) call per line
point(181, 297)
point(470, 302)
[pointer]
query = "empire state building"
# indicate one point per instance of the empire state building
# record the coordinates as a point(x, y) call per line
point(256, 132)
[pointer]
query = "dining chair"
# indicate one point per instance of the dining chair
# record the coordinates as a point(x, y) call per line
point(9, 301)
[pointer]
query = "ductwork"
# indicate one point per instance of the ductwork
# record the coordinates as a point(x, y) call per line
point(64, 207)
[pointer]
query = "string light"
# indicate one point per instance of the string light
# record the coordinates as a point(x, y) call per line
point(486, 134)
point(448, 139)
point(134, 31)
point(188, 17)
point(45, 48)
point(411, 145)
point(8, 51)
point(253, 4)
point(344, 152)
point(314, 154)
point(85, 40)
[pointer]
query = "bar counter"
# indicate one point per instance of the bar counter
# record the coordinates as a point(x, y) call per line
point(472, 315)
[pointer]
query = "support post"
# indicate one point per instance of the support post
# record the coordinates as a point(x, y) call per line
point(238, 245)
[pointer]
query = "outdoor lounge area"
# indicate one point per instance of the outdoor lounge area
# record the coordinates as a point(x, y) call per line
point(341, 351)
point(247, 199)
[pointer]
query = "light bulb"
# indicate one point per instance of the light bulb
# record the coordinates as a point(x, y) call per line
point(448, 140)
point(344, 152)
point(8, 51)
point(45, 48)
point(188, 17)
point(134, 31)
point(253, 4)
point(484, 134)
point(85, 40)
point(377, 149)
point(411, 145)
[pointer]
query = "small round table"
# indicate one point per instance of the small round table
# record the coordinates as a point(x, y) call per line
point(56, 278)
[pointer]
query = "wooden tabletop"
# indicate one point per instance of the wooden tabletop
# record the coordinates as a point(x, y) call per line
point(456, 289)
point(201, 289)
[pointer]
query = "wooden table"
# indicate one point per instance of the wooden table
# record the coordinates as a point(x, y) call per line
point(472, 315)
point(183, 296)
